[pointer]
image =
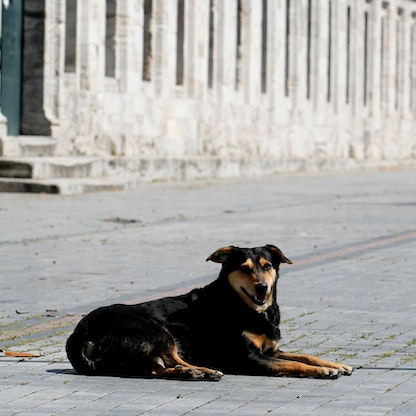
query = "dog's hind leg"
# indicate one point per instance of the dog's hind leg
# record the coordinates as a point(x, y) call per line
point(170, 365)
point(121, 341)
point(179, 372)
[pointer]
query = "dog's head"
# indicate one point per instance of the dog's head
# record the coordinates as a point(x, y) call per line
point(251, 272)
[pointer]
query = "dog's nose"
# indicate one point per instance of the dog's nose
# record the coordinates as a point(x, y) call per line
point(261, 290)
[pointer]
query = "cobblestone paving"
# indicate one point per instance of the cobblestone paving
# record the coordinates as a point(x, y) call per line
point(350, 295)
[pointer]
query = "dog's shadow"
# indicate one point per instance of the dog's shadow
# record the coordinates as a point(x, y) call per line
point(62, 371)
point(386, 368)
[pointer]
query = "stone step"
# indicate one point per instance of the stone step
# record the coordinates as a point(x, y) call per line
point(145, 168)
point(85, 174)
point(15, 169)
point(67, 186)
point(28, 146)
point(54, 167)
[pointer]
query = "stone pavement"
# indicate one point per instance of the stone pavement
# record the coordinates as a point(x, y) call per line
point(349, 296)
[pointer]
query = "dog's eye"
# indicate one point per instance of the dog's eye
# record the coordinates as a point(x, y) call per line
point(267, 267)
point(246, 269)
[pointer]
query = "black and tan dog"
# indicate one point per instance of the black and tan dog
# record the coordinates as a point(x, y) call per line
point(230, 325)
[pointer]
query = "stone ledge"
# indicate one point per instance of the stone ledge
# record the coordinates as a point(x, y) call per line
point(15, 169)
point(28, 146)
point(67, 186)
point(70, 175)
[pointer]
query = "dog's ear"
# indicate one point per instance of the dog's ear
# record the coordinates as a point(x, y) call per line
point(277, 254)
point(221, 255)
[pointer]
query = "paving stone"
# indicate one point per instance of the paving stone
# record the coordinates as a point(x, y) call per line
point(349, 295)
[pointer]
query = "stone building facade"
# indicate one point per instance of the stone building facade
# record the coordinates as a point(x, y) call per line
point(231, 86)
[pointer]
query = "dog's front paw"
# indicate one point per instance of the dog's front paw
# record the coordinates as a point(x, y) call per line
point(326, 372)
point(345, 370)
point(336, 371)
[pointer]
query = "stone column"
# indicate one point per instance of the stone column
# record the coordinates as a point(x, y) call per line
point(225, 50)
point(54, 60)
point(196, 49)
point(124, 12)
point(412, 69)
point(390, 51)
point(92, 45)
point(320, 57)
point(276, 59)
point(252, 52)
point(165, 15)
point(375, 38)
point(404, 53)
point(296, 77)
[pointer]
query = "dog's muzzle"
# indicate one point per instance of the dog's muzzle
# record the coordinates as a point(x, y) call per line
point(261, 290)
point(260, 298)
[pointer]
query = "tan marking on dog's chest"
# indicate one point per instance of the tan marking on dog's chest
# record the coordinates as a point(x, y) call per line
point(262, 342)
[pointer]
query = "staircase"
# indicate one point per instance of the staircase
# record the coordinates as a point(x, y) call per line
point(31, 166)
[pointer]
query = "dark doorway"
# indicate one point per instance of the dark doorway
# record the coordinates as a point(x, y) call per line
point(22, 75)
point(11, 65)
point(33, 120)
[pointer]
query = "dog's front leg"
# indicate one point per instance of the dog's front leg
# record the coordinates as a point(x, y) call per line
point(272, 366)
point(315, 361)
point(266, 358)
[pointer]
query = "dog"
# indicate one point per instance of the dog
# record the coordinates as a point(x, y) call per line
point(231, 326)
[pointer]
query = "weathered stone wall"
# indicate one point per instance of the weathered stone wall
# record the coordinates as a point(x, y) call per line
point(299, 82)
